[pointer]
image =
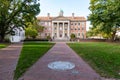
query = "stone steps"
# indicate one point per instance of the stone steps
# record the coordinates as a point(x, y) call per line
point(61, 40)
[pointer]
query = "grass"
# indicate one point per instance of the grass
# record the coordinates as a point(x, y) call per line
point(103, 57)
point(3, 45)
point(30, 53)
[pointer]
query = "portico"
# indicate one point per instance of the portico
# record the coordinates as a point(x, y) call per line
point(61, 30)
point(61, 27)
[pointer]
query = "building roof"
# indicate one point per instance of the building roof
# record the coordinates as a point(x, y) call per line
point(43, 18)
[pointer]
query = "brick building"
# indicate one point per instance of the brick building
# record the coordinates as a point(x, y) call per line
point(61, 27)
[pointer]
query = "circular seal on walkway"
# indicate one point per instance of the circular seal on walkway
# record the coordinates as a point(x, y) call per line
point(61, 65)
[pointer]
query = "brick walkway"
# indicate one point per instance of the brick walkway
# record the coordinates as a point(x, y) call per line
point(8, 60)
point(60, 52)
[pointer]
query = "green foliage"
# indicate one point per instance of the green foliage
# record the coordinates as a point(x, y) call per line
point(32, 29)
point(31, 32)
point(72, 36)
point(106, 15)
point(35, 26)
point(48, 37)
point(39, 28)
point(103, 57)
point(93, 32)
point(3, 45)
point(34, 34)
point(31, 52)
point(15, 13)
point(89, 34)
point(96, 31)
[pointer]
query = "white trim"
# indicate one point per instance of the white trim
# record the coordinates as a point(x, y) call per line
point(57, 30)
point(61, 21)
point(63, 30)
point(63, 26)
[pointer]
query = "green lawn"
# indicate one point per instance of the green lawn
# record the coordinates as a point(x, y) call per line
point(3, 45)
point(103, 57)
point(31, 52)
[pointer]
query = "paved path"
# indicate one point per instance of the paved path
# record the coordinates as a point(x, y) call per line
point(60, 52)
point(8, 60)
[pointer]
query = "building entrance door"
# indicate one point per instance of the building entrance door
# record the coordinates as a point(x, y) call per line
point(60, 35)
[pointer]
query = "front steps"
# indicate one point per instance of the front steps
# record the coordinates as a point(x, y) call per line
point(61, 40)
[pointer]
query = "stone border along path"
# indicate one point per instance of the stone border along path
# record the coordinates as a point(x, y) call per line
point(8, 60)
point(60, 52)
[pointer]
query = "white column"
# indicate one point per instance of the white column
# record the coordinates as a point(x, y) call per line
point(69, 30)
point(57, 30)
point(63, 30)
point(52, 29)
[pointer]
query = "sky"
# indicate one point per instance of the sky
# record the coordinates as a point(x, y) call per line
point(78, 7)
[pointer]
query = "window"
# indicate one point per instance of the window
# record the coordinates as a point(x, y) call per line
point(42, 23)
point(49, 23)
point(55, 34)
point(55, 24)
point(65, 34)
point(71, 23)
point(78, 34)
point(65, 28)
point(82, 24)
point(55, 28)
point(82, 28)
point(66, 24)
point(45, 34)
point(75, 23)
point(45, 23)
point(60, 25)
point(83, 35)
point(45, 28)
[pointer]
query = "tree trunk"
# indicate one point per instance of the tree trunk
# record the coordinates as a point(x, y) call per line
point(2, 37)
point(113, 36)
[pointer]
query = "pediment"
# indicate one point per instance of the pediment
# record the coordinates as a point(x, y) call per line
point(60, 18)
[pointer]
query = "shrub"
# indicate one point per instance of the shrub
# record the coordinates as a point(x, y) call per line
point(49, 38)
point(36, 40)
point(31, 32)
point(72, 36)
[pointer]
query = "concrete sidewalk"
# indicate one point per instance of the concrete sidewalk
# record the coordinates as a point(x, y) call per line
point(60, 52)
point(8, 60)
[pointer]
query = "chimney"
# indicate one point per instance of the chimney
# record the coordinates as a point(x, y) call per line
point(72, 15)
point(48, 15)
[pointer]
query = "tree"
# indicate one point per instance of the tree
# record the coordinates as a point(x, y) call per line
point(72, 36)
point(49, 38)
point(106, 14)
point(14, 13)
point(31, 32)
point(95, 31)
point(34, 25)
point(38, 27)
